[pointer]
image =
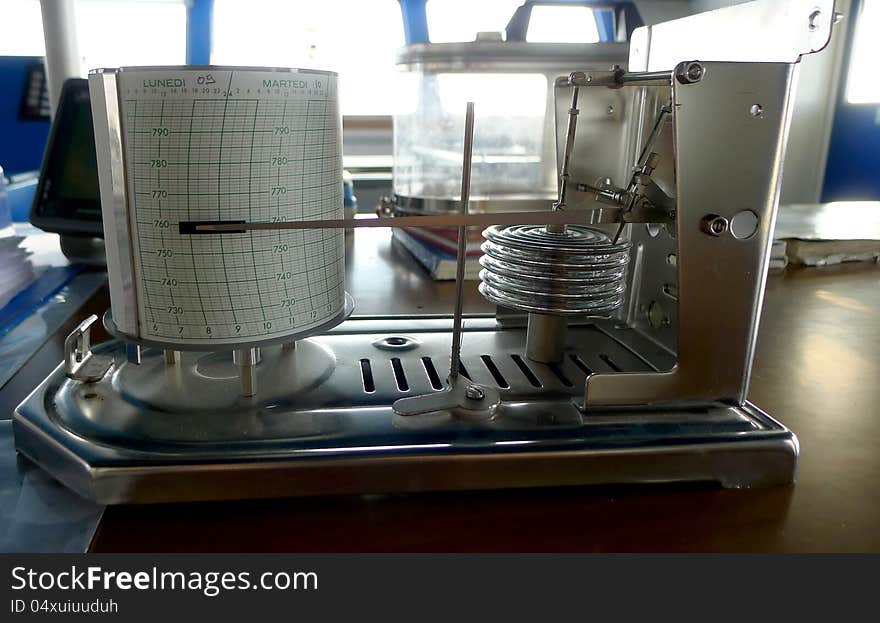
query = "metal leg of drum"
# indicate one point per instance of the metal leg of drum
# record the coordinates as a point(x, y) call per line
point(246, 359)
point(172, 357)
point(545, 338)
point(133, 353)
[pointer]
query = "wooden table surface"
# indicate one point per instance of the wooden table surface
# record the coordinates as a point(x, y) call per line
point(817, 370)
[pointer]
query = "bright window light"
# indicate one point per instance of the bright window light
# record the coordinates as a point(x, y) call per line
point(119, 33)
point(110, 33)
point(491, 92)
point(21, 29)
point(461, 20)
point(356, 39)
point(862, 86)
point(562, 24)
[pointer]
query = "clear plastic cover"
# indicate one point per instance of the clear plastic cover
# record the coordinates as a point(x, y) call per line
point(514, 150)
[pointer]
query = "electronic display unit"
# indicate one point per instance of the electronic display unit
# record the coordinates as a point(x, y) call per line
point(67, 199)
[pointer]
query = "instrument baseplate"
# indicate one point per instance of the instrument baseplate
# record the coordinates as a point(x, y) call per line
point(323, 424)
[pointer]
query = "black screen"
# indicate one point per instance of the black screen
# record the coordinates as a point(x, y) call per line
point(68, 199)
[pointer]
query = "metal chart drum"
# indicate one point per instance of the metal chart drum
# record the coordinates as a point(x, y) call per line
point(227, 144)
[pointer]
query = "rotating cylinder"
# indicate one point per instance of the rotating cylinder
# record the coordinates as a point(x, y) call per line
point(219, 144)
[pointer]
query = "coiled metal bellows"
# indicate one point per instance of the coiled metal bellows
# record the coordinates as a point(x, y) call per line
point(576, 272)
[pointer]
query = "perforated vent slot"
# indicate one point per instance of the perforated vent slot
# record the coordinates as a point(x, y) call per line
point(367, 376)
point(431, 371)
point(495, 372)
point(557, 371)
point(576, 360)
point(399, 375)
point(500, 363)
point(526, 370)
point(610, 363)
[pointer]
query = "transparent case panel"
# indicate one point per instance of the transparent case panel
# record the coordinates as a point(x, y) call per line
point(513, 150)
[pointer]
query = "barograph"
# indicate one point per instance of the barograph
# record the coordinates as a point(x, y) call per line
point(627, 304)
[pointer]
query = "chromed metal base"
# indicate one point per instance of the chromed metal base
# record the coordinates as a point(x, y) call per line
point(322, 422)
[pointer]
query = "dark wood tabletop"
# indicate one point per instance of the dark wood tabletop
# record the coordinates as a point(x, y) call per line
point(817, 370)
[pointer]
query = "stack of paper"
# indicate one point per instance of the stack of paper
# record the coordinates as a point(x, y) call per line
point(830, 233)
point(16, 269)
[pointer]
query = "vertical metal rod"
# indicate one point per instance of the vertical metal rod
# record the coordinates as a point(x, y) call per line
point(646, 149)
point(652, 136)
point(564, 174)
point(461, 258)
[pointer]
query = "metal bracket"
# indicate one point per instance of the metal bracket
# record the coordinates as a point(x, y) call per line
point(461, 397)
point(80, 364)
point(720, 277)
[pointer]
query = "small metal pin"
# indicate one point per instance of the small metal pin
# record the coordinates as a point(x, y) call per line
point(133, 353)
point(246, 359)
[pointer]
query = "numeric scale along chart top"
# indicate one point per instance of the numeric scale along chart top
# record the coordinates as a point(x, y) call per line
point(232, 144)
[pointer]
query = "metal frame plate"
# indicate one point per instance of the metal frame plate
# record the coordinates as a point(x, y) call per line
point(743, 110)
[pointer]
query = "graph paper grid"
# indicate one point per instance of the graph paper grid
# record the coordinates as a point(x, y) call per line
point(233, 145)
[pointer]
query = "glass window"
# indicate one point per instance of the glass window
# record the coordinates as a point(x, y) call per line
point(21, 29)
point(555, 23)
point(114, 33)
point(461, 20)
point(862, 86)
point(110, 33)
point(356, 39)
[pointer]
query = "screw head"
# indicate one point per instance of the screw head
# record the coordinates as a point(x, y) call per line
point(474, 393)
point(756, 110)
point(714, 225)
point(692, 72)
point(814, 19)
point(386, 206)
